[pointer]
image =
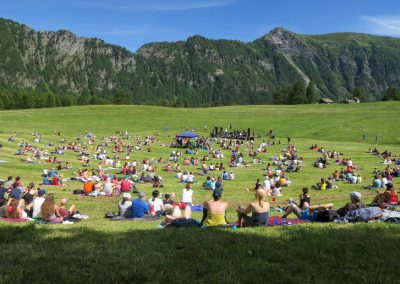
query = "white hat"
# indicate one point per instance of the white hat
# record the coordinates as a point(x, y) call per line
point(127, 195)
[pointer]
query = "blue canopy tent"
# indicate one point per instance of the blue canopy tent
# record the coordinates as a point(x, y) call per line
point(183, 139)
point(187, 134)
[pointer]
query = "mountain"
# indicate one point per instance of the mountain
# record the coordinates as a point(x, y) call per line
point(198, 71)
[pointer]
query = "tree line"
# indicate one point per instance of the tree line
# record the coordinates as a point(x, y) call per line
point(297, 93)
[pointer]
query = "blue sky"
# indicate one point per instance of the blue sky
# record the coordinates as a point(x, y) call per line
point(132, 23)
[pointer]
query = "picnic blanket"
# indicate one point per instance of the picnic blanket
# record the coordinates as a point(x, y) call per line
point(14, 220)
point(196, 207)
point(278, 221)
point(121, 218)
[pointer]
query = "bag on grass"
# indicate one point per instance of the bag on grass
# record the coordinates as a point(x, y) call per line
point(110, 215)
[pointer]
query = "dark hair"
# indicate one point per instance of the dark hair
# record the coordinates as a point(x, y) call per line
point(155, 194)
point(167, 195)
point(305, 190)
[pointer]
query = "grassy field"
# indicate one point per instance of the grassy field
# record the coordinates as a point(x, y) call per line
point(104, 251)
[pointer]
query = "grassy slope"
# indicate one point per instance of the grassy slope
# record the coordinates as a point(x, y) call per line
point(117, 252)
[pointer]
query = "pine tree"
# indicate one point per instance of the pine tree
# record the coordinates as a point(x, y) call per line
point(359, 92)
point(391, 94)
point(298, 93)
point(311, 93)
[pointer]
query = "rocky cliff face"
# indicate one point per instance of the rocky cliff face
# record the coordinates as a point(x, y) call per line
point(210, 72)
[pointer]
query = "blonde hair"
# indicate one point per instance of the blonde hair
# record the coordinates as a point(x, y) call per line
point(260, 194)
point(48, 207)
point(13, 213)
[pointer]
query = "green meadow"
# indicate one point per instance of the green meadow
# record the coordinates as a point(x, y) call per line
point(103, 251)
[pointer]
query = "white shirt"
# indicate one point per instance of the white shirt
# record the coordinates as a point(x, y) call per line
point(267, 184)
point(187, 195)
point(37, 204)
point(190, 178)
point(108, 187)
point(157, 203)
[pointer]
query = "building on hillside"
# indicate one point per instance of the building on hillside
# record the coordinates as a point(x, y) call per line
point(325, 101)
point(353, 100)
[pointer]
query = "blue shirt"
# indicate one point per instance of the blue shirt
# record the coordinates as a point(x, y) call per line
point(16, 193)
point(46, 181)
point(306, 216)
point(377, 183)
point(139, 208)
point(3, 190)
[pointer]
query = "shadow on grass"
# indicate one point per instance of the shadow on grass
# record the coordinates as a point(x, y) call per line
point(317, 253)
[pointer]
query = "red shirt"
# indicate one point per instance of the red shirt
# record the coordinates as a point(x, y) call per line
point(55, 181)
point(125, 185)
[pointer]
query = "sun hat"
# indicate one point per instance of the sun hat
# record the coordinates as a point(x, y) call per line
point(355, 195)
point(127, 195)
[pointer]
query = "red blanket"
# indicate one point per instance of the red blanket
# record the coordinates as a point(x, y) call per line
point(277, 221)
point(13, 220)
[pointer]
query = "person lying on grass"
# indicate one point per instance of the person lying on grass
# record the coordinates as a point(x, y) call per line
point(175, 218)
point(355, 198)
point(310, 214)
point(214, 210)
point(259, 210)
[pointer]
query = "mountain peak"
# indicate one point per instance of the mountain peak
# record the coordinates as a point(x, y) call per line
point(279, 30)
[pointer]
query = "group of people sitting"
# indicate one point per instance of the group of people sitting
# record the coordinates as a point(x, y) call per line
point(18, 202)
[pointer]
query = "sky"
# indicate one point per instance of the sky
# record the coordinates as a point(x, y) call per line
point(132, 23)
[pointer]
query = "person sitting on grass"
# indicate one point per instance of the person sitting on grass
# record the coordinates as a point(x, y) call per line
point(305, 199)
point(50, 212)
point(125, 206)
point(208, 184)
point(13, 209)
point(187, 195)
point(88, 186)
point(140, 208)
point(321, 185)
point(214, 210)
point(37, 204)
point(56, 180)
point(355, 203)
point(259, 210)
point(387, 198)
point(168, 199)
point(64, 212)
point(3, 191)
point(156, 204)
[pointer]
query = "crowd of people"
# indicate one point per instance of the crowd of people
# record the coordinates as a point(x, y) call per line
point(109, 167)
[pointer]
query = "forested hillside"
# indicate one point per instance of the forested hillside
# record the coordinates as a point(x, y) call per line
point(44, 69)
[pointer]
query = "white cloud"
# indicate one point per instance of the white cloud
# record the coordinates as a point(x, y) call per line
point(384, 25)
point(188, 5)
point(166, 5)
